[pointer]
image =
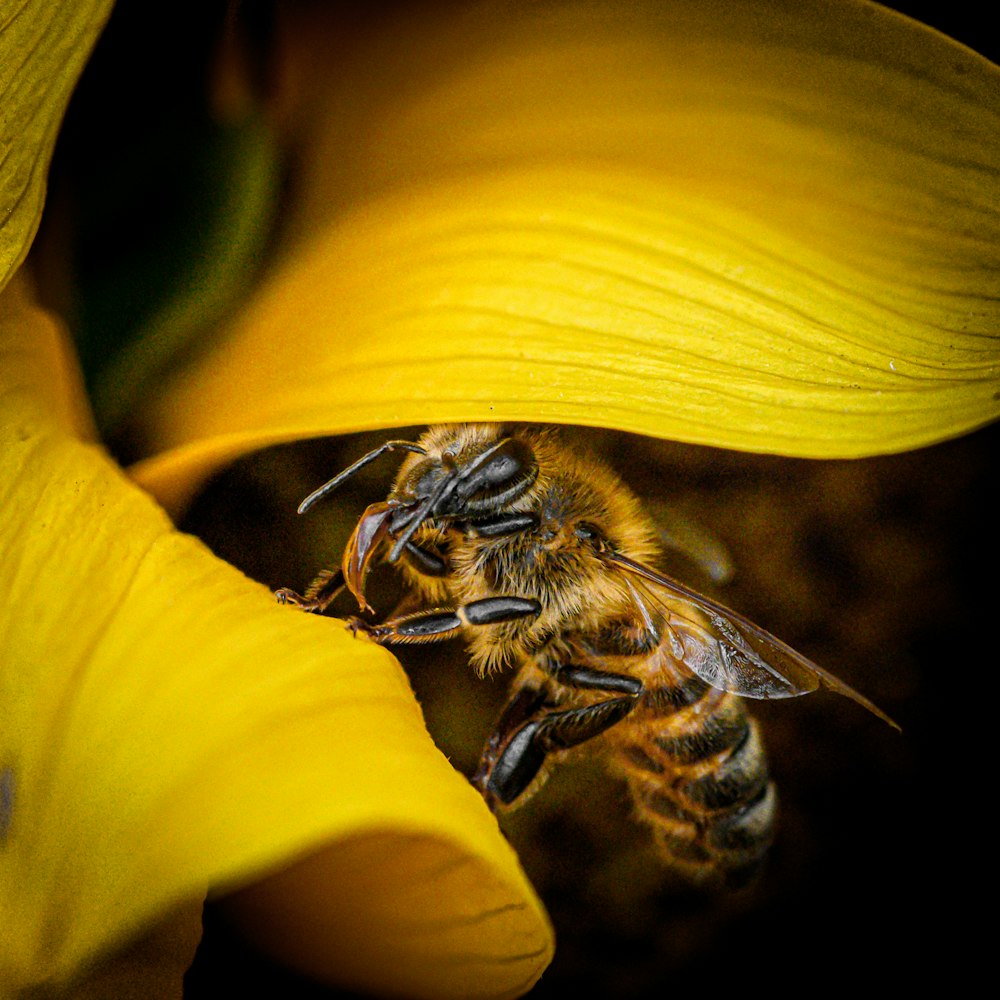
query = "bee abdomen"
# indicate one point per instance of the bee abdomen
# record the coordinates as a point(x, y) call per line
point(699, 777)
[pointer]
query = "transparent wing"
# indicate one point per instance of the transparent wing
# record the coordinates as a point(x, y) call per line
point(727, 650)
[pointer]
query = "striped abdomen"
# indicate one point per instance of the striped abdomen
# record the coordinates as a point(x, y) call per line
point(698, 774)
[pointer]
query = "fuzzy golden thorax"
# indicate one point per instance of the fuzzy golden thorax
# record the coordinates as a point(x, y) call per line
point(550, 562)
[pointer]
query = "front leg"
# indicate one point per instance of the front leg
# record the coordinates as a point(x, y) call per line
point(330, 583)
point(437, 624)
point(319, 595)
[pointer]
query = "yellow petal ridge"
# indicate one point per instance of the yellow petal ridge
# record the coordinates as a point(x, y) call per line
point(167, 729)
point(770, 227)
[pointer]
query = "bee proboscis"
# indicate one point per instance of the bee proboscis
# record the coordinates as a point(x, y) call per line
point(540, 557)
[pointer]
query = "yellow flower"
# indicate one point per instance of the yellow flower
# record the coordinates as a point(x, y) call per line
point(166, 729)
point(762, 226)
point(768, 226)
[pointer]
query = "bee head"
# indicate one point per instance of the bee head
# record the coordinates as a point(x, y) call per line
point(460, 483)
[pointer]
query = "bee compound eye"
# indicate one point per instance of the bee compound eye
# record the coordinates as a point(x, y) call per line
point(419, 482)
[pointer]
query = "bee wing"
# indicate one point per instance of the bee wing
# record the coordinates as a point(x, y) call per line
point(728, 651)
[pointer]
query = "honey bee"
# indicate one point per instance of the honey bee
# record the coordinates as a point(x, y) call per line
point(542, 560)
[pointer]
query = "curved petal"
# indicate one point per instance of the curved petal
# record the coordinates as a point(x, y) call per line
point(43, 47)
point(763, 226)
point(168, 729)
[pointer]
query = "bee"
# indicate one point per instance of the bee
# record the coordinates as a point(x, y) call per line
point(538, 555)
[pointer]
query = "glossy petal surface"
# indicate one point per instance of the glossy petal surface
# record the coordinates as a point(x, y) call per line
point(167, 729)
point(43, 47)
point(764, 226)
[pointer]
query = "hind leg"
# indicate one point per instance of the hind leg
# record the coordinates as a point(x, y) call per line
point(532, 727)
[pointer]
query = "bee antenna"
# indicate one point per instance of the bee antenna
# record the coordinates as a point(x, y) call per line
point(342, 477)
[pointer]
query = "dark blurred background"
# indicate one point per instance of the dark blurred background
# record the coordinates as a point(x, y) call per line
point(882, 570)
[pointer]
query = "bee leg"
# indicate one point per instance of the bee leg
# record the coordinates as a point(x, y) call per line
point(586, 678)
point(528, 702)
point(425, 560)
point(437, 624)
point(422, 560)
point(530, 729)
point(319, 595)
point(497, 525)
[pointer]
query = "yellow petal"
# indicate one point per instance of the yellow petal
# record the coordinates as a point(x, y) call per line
point(766, 226)
point(167, 729)
point(43, 47)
